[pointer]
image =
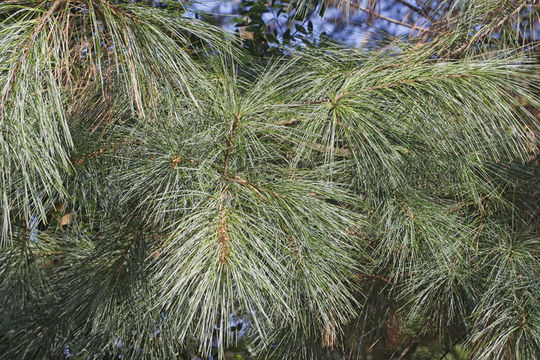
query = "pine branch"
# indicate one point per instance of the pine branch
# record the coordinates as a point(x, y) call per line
point(8, 88)
point(371, 89)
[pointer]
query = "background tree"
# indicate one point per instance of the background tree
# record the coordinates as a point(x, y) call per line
point(163, 195)
point(370, 22)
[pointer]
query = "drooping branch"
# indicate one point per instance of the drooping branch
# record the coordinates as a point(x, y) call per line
point(486, 30)
point(25, 51)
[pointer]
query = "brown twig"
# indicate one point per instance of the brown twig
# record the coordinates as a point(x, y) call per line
point(229, 144)
point(406, 208)
point(392, 20)
point(374, 277)
point(292, 121)
point(459, 206)
point(294, 245)
point(48, 253)
point(244, 182)
point(414, 342)
point(223, 236)
point(94, 154)
point(416, 10)
point(345, 152)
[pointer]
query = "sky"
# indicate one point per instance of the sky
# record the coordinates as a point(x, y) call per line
point(352, 31)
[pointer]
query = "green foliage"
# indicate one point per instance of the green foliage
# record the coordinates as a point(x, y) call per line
point(346, 202)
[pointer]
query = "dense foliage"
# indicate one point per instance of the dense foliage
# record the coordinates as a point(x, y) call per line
point(167, 191)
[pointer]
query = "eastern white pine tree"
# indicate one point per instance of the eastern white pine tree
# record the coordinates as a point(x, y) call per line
point(163, 198)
